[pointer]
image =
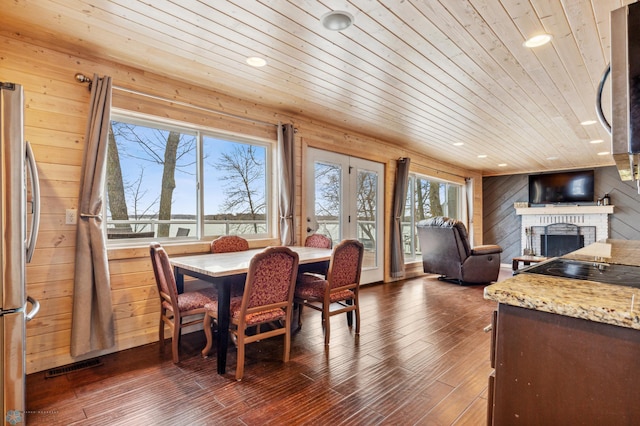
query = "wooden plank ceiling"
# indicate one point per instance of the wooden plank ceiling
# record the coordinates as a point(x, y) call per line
point(424, 75)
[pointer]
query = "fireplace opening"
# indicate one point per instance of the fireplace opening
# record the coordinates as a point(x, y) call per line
point(558, 239)
point(557, 245)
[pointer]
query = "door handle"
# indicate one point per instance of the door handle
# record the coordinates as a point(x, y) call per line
point(35, 194)
point(35, 307)
point(599, 111)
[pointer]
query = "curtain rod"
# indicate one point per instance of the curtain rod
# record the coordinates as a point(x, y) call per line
point(84, 79)
point(417, 163)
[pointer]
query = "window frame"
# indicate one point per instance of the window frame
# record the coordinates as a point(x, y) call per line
point(414, 255)
point(200, 132)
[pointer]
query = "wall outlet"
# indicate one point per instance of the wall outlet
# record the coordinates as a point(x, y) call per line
point(71, 217)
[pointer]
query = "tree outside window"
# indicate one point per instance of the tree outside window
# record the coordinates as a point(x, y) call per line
point(152, 182)
point(427, 198)
point(235, 182)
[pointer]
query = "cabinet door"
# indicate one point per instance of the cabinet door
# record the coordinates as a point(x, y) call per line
point(494, 327)
point(490, 390)
point(557, 370)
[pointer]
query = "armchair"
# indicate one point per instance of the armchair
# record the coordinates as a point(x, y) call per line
point(445, 247)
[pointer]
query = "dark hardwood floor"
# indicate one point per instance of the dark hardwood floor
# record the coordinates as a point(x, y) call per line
point(421, 358)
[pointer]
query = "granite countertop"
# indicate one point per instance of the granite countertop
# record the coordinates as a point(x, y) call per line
point(589, 300)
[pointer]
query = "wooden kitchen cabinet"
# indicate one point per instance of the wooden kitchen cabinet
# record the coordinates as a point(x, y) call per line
point(552, 369)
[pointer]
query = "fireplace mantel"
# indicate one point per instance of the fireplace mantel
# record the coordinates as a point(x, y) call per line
point(564, 210)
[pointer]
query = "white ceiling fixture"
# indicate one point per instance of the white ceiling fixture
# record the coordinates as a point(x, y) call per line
point(337, 20)
point(256, 61)
point(538, 40)
point(588, 122)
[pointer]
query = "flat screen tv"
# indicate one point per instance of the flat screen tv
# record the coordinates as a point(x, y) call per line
point(562, 187)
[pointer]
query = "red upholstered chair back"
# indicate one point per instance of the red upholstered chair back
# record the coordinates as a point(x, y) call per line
point(271, 278)
point(346, 264)
point(318, 241)
point(165, 280)
point(229, 243)
point(174, 307)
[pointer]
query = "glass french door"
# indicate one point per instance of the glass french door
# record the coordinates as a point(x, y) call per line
point(344, 199)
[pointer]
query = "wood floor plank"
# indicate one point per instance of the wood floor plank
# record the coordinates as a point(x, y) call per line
point(422, 357)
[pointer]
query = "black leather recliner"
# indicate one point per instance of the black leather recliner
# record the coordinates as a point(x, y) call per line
point(445, 247)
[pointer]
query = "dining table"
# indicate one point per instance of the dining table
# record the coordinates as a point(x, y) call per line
point(217, 268)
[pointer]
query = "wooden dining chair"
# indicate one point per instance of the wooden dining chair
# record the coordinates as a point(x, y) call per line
point(317, 241)
point(175, 307)
point(267, 299)
point(337, 293)
point(229, 243)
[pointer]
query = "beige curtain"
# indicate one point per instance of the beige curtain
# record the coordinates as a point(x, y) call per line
point(467, 208)
point(287, 183)
point(399, 198)
point(92, 321)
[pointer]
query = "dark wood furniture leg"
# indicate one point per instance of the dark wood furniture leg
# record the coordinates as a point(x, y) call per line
point(179, 280)
point(224, 299)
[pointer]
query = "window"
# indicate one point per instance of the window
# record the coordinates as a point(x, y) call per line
point(427, 198)
point(168, 180)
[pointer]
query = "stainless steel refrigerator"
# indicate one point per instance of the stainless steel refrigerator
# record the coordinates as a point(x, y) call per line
point(19, 208)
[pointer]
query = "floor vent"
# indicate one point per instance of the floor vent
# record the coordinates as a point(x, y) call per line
point(93, 362)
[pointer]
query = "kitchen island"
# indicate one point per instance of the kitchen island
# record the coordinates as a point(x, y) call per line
point(566, 350)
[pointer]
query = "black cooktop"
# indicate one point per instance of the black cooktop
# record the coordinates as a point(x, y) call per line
point(593, 271)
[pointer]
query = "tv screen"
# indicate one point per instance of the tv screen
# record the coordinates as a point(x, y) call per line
point(562, 188)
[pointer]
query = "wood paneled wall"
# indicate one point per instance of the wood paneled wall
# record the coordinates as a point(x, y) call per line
point(502, 225)
point(56, 114)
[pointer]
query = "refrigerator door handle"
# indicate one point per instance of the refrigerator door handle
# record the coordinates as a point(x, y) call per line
point(35, 307)
point(35, 193)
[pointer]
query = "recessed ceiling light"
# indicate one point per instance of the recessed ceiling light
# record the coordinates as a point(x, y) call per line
point(458, 143)
point(257, 62)
point(538, 40)
point(603, 153)
point(337, 20)
point(588, 122)
point(596, 141)
point(502, 165)
point(482, 156)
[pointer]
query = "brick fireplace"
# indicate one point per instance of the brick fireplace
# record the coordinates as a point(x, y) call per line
point(562, 226)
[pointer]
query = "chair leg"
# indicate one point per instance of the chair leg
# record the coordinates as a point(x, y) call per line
point(349, 314)
point(327, 323)
point(209, 335)
point(287, 342)
point(161, 332)
point(175, 340)
point(357, 317)
point(240, 364)
point(300, 306)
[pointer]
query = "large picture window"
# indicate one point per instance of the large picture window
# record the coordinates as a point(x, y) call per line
point(167, 181)
point(427, 198)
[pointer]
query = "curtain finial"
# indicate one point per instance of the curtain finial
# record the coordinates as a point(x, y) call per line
point(81, 78)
